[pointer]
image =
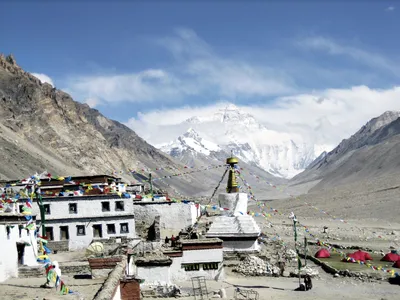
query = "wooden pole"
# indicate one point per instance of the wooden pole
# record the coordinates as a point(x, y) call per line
point(305, 251)
point(295, 247)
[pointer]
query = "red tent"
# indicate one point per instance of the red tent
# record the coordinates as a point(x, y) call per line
point(391, 257)
point(360, 255)
point(397, 264)
point(322, 253)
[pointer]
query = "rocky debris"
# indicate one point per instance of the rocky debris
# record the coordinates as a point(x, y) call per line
point(255, 266)
point(155, 258)
point(291, 255)
point(307, 270)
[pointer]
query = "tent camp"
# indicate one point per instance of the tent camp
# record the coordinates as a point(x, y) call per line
point(391, 257)
point(397, 264)
point(359, 255)
point(322, 253)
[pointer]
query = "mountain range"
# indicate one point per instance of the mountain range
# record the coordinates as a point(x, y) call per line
point(359, 179)
point(43, 128)
point(231, 131)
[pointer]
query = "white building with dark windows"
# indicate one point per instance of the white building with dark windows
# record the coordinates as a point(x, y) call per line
point(72, 223)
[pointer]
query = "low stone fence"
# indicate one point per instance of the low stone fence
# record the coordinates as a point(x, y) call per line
point(110, 286)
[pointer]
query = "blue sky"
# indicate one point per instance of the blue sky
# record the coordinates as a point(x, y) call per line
point(129, 60)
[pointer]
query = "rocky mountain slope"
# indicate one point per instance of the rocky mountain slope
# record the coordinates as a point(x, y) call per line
point(230, 130)
point(42, 128)
point(359, 179)
point(371, 154)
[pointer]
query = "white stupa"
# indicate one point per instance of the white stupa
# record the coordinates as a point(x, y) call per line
point(235, 227)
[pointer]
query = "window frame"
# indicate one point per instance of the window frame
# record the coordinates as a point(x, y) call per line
point(77, 230)
point(122, 204)
point(49, 210)
point(112, 226)
point(76, 208)
point(127, 228)
point(102, 206)
point(192, 267)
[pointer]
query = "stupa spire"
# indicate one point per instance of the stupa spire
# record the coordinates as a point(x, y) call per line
point(232, 186)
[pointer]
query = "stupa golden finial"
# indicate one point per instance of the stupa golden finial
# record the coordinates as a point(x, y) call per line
point(232, 186)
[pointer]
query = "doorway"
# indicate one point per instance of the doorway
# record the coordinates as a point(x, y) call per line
point(21, 252)
point(97, 232)
point(49, 233)
point(64, 233)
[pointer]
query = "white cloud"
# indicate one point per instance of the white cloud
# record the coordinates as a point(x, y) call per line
point(324, 117)
point(196, 70)
point(365, 57)
point(144, 86)
point(390, 8)
point(92, 102)
point(43, 78)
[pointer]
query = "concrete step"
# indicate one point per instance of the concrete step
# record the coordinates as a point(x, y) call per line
point(26, 272)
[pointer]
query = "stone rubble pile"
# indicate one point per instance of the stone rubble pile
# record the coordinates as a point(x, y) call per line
point(255, 266)
point(291, 255)
point(307, 270)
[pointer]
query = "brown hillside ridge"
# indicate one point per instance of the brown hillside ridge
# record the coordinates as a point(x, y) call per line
point(43, 128)
point(360, 178)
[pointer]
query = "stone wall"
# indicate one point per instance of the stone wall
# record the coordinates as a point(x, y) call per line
point(129, 289)
point(173, 217)
point(58, 245)
point(102, 266)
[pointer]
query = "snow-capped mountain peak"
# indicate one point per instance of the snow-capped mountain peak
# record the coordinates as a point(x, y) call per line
point(231, 130)
point(190, 141)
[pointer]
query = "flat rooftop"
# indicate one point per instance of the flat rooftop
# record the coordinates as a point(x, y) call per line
point(201, 241)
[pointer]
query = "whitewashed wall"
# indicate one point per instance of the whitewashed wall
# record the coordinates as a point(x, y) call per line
point(178, 273)
point(59, 209)
point(88, 209)
point(154, 274)
point(9, 257)
point(228, 200)
point(117, 295)
point(241, 246)
point(173, 216)
point(206, 256)
point(77, 242)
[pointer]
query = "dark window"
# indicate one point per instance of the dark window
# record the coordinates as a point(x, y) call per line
point(194, 267)
point(119, 205)
point(73, 208)
point(20, 227)
point(211, 266)
point(124, 228)
point(8, 229)
point(20, 209)
point(111, 228)
point(105, 206)
point(49, 233)
point(64, 233)
point(80, 230)
point(97, 232)
point(46, 209)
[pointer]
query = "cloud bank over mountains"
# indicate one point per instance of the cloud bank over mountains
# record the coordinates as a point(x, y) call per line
point(288, 94)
